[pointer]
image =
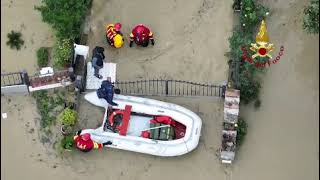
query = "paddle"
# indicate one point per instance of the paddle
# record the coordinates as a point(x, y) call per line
point(156, 127)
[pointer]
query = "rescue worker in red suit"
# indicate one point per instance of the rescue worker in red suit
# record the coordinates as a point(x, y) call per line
point(141, 36)
point(113, 35)
point(85, 144)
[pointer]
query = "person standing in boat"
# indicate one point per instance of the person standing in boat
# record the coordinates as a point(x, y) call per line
point(85, 144)
point(106, 91)
point(97, 60)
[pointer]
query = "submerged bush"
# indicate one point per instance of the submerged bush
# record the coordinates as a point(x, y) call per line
point(241, 131)
point(15, 41)
point(257, 103)
point(67, 142)
point(311, 17)
point(65, 16)
point(238, 40)
point(248, 81)
point(46, 104)
point(249, 87)
point(42, 57)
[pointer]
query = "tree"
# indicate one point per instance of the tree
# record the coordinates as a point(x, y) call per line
point(311, 17)
point(15, 40)
point(65, 16)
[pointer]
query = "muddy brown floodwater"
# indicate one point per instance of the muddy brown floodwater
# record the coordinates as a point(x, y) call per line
point(21, 16)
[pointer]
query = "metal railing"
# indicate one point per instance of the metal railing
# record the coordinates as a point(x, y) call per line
point(168, 88)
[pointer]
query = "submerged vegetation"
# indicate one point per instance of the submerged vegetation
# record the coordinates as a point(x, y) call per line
point(66, 143)
point(42, 57)
point(251, 15)
point(241, 131)
point(62, 52)
point(64, 16)
point(248, 77)
point(15, 40)
point(47, 106)
point(52, 108)
point(311, 17)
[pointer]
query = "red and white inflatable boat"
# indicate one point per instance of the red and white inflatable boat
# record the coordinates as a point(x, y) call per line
point(146, 126)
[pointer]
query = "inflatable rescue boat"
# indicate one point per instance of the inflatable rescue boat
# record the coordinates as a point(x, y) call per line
point(146, 126)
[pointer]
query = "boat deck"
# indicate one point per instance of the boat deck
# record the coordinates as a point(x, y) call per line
point(137, 124)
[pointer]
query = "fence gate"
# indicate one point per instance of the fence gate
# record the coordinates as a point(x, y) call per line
point(16, 82)
point(168, 88)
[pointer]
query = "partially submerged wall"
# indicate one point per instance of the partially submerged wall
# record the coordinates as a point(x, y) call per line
point(21, 89)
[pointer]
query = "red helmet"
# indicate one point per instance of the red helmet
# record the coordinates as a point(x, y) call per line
point(85, 136)
point(140, 29)
point(117, 26)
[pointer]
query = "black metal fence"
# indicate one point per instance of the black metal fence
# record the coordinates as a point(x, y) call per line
point(168, 88)
point(11, 79)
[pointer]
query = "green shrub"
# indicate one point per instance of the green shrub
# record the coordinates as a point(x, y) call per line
point(248, 81)
point(311, 17)
point(15, 40)
point(43, 57)
point(67, 142)
point(251, 14)
point(65, 16)
point(237, 40)
point(68, 117)
point(249, 87)
point(241, 131)
point(62, 52)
